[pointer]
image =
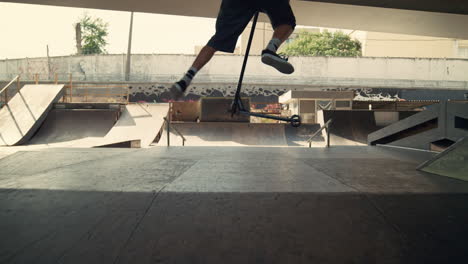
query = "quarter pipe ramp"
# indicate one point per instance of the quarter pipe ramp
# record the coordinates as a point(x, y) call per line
point(25, 112)
point(100, 128)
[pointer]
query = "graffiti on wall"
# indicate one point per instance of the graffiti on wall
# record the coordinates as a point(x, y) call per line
point(270, 94)
point(160, 92)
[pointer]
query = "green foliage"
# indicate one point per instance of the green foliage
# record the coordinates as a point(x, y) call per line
point(94, 33)
point(323, 44)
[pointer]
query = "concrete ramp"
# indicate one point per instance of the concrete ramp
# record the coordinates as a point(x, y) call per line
point(453, 162)
point(411, 127)
point(349, 128)
point(446, 121)
point(26, 111)
point(138, 122)
point(241, 134)
point(137, 126)
point(351, 125)
point(74, 128)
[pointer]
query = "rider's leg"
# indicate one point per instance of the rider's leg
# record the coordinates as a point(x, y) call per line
point(281, 34)
point(283, 21)
point(233, 17)
point(205, 55)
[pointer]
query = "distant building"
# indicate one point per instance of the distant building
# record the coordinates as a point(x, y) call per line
point(378, 44)
point(374, 44)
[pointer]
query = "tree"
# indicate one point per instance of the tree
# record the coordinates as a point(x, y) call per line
point(91, 35)
point(323, 44)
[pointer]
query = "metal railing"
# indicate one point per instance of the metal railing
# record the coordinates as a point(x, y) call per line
point(168, 125)
point(326, 126)
point(96, 93)
point(4, 90)
point(83, 92)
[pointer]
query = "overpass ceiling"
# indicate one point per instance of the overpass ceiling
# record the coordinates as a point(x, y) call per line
point(440, 6)
point(366, 15)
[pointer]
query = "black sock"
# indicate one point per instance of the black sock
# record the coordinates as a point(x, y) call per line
point(189, 76)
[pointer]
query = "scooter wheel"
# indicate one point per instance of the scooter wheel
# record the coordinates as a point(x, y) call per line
point(295, 121)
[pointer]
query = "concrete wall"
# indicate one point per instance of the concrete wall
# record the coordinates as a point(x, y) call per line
point(407, 73)
point(259, 93)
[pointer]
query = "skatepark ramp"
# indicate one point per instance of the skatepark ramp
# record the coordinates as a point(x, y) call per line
point(136, 125)
point(141, 122)
point(242, 134)
point(446, 121)
point(75, 128)
point(24, 113)
point(348, 126)
point(351, 127)
point(452, 162)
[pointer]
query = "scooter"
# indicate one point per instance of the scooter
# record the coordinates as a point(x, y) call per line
point(238, 108)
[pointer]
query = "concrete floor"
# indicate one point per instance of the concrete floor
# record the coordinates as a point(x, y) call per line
point(348, 204)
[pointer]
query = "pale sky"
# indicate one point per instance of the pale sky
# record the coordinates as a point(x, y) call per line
point(27, 29)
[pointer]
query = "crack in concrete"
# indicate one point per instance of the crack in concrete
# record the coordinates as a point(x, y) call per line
point(147, 210)
point(64, 252)
point(379, 210)
point(12, 256)
point(138, 224)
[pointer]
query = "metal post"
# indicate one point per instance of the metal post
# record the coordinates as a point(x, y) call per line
point(71, 88)
point(79, 48)
point(128, 95)
point(328, 136)
point(18, 86)
point(168, 133)
point(48, 63)
point(168, 125)
point(129, 50)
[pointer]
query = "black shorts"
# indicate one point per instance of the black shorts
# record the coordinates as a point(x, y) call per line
point(234, 16)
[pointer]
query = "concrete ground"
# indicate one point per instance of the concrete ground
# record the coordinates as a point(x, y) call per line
point(349, 204)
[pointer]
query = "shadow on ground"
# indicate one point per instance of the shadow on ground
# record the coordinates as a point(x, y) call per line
point(47, 226)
